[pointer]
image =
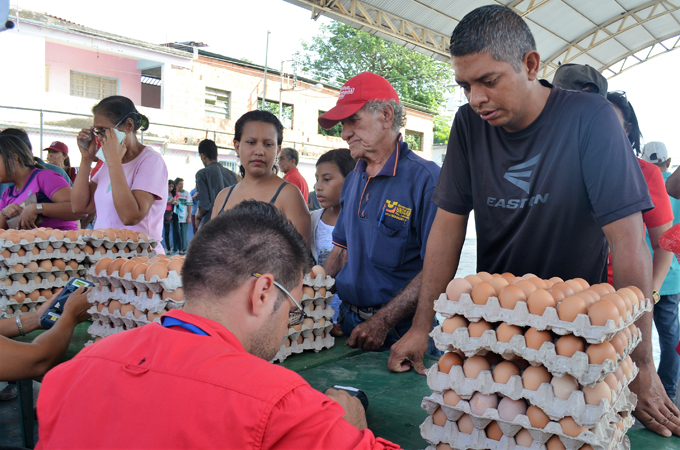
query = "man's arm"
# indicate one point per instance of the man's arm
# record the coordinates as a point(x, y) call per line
point(661, 259)
point(336, 260)
point(673, 184)
point(632, 265)
point(442, 256)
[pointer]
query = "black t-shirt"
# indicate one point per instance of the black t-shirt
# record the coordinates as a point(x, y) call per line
point(541, 195)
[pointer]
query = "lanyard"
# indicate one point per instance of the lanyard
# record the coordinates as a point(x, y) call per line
point(174, 322)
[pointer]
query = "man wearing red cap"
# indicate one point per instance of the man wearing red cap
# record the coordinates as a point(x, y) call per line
point(385, 217)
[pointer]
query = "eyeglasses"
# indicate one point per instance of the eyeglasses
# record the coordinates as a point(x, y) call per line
point(295, 317)
point(101, 132)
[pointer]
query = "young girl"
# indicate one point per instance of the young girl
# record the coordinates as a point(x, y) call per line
point(167, 216)
point(257, 140)
point(331, 170)
point(53, 193)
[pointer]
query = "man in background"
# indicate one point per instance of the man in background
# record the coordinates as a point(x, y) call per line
point(666, 310)
point(210, 180)
point(288, 161)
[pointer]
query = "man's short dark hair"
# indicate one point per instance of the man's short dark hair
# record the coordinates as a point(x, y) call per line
point(291, 154)
point(208, 148)
point(341, 157)
point(495, 29)
point(251, 237)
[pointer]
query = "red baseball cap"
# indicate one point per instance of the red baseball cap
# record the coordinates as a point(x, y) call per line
point(354, 94)
point(58, 147)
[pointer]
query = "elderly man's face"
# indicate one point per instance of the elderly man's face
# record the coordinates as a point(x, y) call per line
point(364, 132)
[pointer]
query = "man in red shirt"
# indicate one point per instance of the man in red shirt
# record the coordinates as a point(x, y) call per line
point(288, 161)
point(203, 378)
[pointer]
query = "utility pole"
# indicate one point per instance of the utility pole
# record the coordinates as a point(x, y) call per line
point(266, 54)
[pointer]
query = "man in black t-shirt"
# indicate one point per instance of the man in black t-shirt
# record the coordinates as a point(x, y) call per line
point(551, 178)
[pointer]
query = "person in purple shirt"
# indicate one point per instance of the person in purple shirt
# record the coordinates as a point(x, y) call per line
point(53, 193)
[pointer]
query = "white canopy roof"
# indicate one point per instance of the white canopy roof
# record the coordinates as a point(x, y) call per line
point(609, 35)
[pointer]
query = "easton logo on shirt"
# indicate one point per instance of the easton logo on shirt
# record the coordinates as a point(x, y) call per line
point(515, 173)
point(520, 177)
point(396, 211)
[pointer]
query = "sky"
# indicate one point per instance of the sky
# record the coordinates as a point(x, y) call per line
point(238, 28)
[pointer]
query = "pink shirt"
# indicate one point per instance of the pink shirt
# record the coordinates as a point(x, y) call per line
point(147, 172)
point(44, 183)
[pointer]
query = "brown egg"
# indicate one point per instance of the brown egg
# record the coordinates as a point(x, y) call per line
point(626, 367)
point(22, 280)
point(453, 323)
point(597, 353)
point(510, 295)
point(523, 438)
point(318, 270)
point(557, 295)
point(309, 322)
point(308, 290)
point(38, 279)
point(126, 308)
point(509, 409)
point(595, 394)
point(111, 235)
point(72, 265)
point(474, 280)
point(32, 266)
point(63, 277)
point(456, 287)
point(481, 293)
point(589, 297)
point(34, 296)
point(620, 343)
point(176, 295)
point(510, 277)
point(465, 424)
point(601, 311)
point(115, 266)
point(479, 403)
point(18, 268)
point(59, 264)
point(503, 371)
point(7, 281)
point(563, 386)
point(6, 253)
point(555, 280)
point(493, 431)
point(100, 307)
point(634, 332)
point(537, 417)
point(24, 309)
point(114, 305)
point(88, 250)
point(618, 302)
point(575, 286)
point(539, 301)
point(451, 398)
point(554, 443)
point(569, 344)
point(176, 266)
point(612, 382)
point(140, 269)
point(571, 307)
point(158, 269)
point(127, 267)
point(534, 376)
point(637, 292)
point(71, 235)
point(538, 282)
point(321, 322)
point(19, 297)
point(40, 234)
point(536, 338)
point(139, 259)
point(505, 332)
point(526, 287)
point(449, 360)
point(321, 292)
point(63, 249)
point(570, 427)
point(438, 417)
point(476, 329)
point(485, 276)
point(474, 365)
point(153, 316)
point(498, 283)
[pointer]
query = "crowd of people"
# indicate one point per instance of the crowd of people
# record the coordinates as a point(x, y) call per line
point(389, 226)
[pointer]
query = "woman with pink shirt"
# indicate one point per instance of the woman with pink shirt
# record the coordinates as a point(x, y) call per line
point(129, 191)
point(48, 193)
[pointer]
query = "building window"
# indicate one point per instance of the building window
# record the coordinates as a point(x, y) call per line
point(335, 131)
point(93, 86)
point(217, 103)
point(152, 82)
point(414, 140)
point(231, 165)
point(286, 112)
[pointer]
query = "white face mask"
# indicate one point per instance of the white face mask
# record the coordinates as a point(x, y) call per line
point(121, 138)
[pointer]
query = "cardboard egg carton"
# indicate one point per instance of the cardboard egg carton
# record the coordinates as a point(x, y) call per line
point(10, 311)
point(603, 436)
point(96, 256)
point(120, 244)
point(520, 316)
point(29, 274)
point(556, 408)
point(156, 284)
point(101, 329)
point(118, 320)
point(321, 306)
point(14, 259)
point(576, 365)
point(317, 345)
point(6, 301)
point(318, 282)
point(142, 302)
point(31, 285)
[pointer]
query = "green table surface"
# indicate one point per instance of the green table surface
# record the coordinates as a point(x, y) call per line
point(394, 411)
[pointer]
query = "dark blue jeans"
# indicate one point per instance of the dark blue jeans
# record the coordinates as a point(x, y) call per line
point(668, 327)
point(348, 320)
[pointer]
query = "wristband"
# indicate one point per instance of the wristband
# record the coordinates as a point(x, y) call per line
point(21, 327)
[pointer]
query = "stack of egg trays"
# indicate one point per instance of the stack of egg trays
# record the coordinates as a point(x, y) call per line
point(133, 247)
point(124, 290)
point(603, 435)
point(35, 251)
point(312, 336)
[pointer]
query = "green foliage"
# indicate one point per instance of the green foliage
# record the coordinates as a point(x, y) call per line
point(341, 52)
point(286, 112)
point(335, 131)
point(414, 141)
point(442, 128)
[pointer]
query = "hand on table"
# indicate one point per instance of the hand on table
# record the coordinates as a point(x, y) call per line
point(654, 409)
point(369, 335)
point(354, 410)
point(408, 352)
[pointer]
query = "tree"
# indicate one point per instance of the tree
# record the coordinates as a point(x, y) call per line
point(341, 52)
point(442, 128)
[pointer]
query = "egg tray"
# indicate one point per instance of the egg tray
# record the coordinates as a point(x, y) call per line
point(119, 244)
point(317, 345)
point(6, 301)
point(44, 284)
point(30, 274)
point(318, 282)
point(156, 284)
point(321, 306)
point(603, 436)
point(154, 304)
point(5, 314)
point(101, 329)
point(520, 316)
point(14, 259)
point(96, 256)
point(576, 365)
point(556, 408)
point(81, 242)
point(117, 320)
